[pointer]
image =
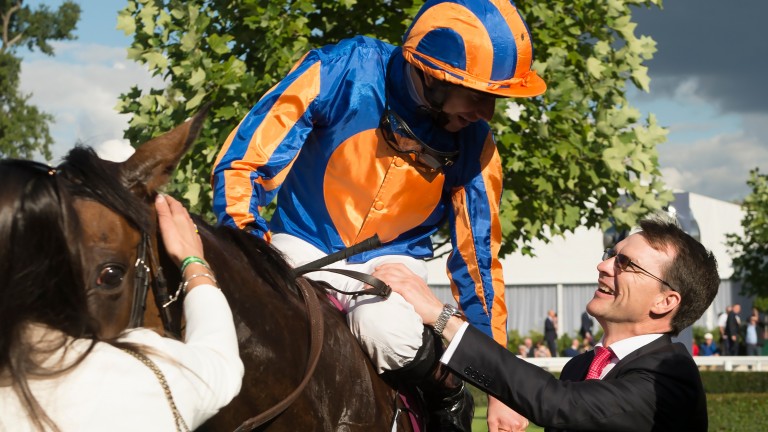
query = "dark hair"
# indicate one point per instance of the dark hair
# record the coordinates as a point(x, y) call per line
point(692, 271)
point(41, 276)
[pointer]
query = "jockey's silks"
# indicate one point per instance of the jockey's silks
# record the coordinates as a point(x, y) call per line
point(313, 141)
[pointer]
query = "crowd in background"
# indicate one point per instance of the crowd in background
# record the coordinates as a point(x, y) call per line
point(736, 335)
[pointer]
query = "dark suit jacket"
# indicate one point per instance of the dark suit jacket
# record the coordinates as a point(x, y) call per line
point(656, 388)
point(586, 324)
point(732, 325)
point(550, 333)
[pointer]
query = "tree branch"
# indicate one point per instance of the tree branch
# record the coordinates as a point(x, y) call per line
point(6, 23)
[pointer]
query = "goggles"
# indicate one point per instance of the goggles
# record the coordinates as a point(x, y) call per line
point(400, 138)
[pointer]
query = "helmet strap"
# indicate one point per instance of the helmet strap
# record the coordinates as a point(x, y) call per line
point(435, 95)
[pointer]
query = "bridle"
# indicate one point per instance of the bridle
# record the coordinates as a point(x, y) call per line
point(140, 283)
point(149, 273)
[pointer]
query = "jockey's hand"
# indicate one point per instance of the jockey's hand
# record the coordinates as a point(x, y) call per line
point(502, 418)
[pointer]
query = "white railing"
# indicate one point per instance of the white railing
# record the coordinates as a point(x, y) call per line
point(726, 363)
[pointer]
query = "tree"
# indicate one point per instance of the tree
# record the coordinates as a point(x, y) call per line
point(23, 127)
point(569, 155)
point(750, 250)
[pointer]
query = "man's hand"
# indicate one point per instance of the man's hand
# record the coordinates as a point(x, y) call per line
point(502, 418)
point(413, 288)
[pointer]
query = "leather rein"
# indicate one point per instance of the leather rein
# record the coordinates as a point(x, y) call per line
point(150, 274)
point(316, 323)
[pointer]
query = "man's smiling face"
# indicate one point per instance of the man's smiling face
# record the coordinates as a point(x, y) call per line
point(626, 297)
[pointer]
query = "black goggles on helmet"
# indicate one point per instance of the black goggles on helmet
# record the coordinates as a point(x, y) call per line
point(400, 138)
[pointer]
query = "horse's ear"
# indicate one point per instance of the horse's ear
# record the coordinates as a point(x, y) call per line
point(152, 164)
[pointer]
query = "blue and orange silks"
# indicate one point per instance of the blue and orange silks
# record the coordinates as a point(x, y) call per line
point(313, 141)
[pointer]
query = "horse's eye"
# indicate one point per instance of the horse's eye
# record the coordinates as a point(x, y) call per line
point(111, 277)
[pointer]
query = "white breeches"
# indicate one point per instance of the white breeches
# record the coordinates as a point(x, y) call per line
point(389, 330)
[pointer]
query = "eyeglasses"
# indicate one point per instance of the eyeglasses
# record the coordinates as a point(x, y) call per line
point(400, 138)
point(623, 261)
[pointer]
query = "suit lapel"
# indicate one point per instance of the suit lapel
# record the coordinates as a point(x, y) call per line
point(576, 369)
point(664, 340)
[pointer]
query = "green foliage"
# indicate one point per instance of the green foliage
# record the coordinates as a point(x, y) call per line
point(23, 127)
point(750, 250)
point(568, 157)
point(572, 153)
point(229, 54)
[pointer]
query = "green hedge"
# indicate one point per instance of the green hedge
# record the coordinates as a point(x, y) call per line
point(715, 382)
point(718, 382)
point(736, 401)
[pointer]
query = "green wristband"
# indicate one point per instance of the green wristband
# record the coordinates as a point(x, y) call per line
point(192, 259)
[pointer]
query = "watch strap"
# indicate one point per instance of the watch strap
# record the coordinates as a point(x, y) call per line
point(442, 319)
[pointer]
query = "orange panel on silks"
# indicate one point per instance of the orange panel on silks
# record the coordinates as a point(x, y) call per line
point(387, 197)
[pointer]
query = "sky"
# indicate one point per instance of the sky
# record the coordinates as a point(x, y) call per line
point(707, 88)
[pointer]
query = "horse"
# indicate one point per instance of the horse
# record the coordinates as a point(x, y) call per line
point(124, 255)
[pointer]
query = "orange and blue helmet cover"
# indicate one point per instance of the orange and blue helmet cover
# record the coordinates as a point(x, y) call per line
point(480, 44)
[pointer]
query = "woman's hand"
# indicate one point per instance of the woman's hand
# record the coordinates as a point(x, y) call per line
point(179, 232)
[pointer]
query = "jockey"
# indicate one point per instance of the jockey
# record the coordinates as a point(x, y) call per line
point(363, 138)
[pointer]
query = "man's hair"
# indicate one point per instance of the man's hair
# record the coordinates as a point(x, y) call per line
point(692, 271)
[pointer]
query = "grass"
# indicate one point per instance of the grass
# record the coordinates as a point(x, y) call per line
point(729, 412)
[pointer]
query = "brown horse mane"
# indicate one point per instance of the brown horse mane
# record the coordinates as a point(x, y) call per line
point(92, 178)
point(263, 259)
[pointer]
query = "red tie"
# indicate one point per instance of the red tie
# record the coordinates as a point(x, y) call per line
point(602, 358)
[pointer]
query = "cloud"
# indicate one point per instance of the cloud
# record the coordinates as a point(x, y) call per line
point(715, 43)
point(717, 166)
point(80, 88)
point(706, 87)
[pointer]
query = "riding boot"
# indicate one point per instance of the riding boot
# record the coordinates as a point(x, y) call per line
point(449, 403)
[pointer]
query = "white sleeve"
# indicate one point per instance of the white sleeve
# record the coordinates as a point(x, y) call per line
point(446, 357)
point(205, 371)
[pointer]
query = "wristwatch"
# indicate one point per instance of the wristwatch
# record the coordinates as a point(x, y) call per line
point(442, 319)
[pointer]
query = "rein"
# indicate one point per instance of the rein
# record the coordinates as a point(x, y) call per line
point(315, 347)
point(314, 312)
point(316, 323)
point(378, 288)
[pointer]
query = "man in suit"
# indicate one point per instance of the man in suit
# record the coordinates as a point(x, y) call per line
point(732, 326)
point(550, 332)
point(655, 283)
point(586, 328)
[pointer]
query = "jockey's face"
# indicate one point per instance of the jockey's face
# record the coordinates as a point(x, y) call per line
point(464, 106)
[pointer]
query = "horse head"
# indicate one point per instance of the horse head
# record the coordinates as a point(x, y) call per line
point(114, 204)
